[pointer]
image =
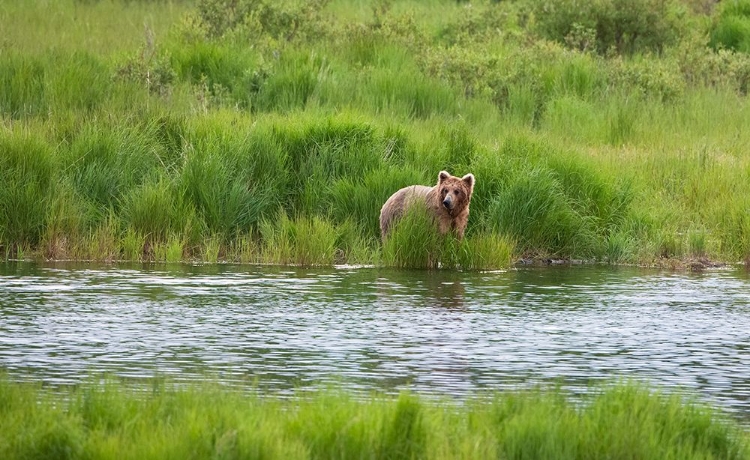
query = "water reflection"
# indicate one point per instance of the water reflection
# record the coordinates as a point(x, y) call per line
point(439, 332)
point(426, 288)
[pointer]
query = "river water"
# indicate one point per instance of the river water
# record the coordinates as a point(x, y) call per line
point(438, 332)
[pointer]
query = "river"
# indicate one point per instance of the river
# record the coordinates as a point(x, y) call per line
point(437, 332)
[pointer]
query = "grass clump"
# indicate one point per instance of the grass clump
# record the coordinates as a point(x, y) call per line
point(27, 171)
point(414, 241)
point(305, 241)
point(116, 420)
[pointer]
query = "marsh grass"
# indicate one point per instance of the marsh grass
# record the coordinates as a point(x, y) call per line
point(305, 241)
point(245, 249)
point(133, 245)
point(27, 170)
point(414, 241)
point(103, 243)
point(117, 420)
point(535, 210)
point(211, 248)
point(487, 251)
point(174, 121)
point(619, 248)
point(360, 200)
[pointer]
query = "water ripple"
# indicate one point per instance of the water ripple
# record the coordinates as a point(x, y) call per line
point(439, 332)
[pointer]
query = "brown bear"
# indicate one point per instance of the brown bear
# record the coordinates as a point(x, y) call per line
point(448, 201)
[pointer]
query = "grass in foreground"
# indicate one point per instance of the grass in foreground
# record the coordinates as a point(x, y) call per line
point(118, 421)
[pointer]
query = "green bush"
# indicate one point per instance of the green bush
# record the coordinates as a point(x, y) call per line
point(623, 27)
point(284, 20)
point(731, 29)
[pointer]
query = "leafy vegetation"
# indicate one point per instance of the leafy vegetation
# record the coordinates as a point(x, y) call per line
point(115, 420)
point(232, 130)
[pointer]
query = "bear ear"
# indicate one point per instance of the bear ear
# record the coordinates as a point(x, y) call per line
point(443, 176)
point(469, 180)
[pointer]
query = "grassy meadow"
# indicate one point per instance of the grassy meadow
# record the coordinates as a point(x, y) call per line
point(273, 131)
point(116, 420)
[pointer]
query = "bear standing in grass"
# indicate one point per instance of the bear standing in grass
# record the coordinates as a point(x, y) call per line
point(448, 202)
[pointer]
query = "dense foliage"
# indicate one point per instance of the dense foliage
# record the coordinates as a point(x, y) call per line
point(273, 131)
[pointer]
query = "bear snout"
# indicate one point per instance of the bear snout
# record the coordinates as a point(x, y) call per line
point(448, 202)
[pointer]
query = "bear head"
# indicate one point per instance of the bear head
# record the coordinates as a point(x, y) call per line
point(454, 192)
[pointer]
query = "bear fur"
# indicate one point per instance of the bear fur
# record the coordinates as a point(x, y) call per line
point(448, 202)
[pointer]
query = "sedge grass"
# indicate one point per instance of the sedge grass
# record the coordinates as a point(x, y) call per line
point(178, 124)
point(305, 241)
point(116, 420)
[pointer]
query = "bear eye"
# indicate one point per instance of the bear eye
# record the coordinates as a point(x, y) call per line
point(457, 192)
point(444, 191)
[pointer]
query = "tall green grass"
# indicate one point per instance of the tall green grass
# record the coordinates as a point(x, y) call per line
point(189, 125)
point(115, 420)
point(27, 172)
point(414, 242)
point(304, 241)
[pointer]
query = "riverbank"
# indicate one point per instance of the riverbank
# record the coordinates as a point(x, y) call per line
point(274, 134)
point(159, 420)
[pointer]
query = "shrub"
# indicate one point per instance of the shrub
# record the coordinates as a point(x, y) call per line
point(625, 27)
point(278, 19)
point(731, 30)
